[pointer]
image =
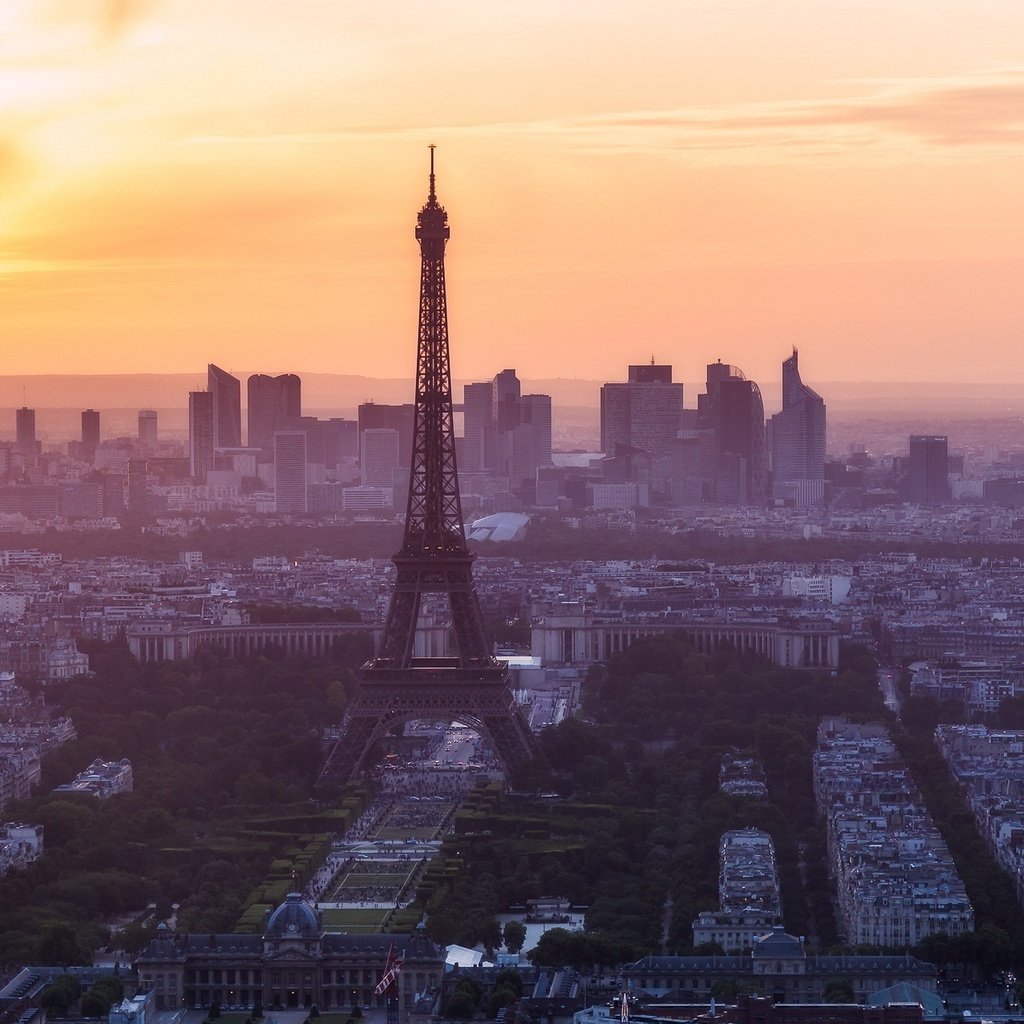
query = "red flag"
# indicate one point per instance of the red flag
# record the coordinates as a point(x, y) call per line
point(391, 969)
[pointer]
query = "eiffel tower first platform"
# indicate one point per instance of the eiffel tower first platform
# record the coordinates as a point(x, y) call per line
point(396, 686)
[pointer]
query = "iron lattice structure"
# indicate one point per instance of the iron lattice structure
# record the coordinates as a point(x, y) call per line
point(396, 685)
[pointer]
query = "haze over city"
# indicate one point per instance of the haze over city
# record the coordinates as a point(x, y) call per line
point(186, 181)
point(647, 647)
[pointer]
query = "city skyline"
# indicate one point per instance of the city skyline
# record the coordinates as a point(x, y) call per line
point(186, 184)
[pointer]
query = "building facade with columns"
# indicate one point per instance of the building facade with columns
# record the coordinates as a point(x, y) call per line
point(294, 964)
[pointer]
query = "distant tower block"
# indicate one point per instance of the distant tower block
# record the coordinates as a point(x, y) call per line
point(275, 403)
point(147, 426)
point(25, 430)
point(90, 427)
point(227, 407)
point(290, 471)
point(397, 685)
point(200, 434)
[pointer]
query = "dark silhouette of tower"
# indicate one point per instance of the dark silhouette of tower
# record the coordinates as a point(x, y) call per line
point(227, 407)
point(200, 434)
point(398, 685)
point(25, 427)
point(798, 440)
point(928, 469)
point(733, 410)
point(274, 404)
point(90, 428)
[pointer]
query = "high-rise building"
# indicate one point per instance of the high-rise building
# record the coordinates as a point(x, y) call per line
point(290, 471)
point(798, 441)
point(644, 413)
point(390, 417)
point(138, 497)
point(505, 396)
point(928, 469)
point(113, 495)
point(25, 431)
point(200, 434)
point(227, 407)
point(504, 431)
point(535, 412)
point(328, 441)
point(147, 426)
point(378, 456)
point(478, 452)
point(90, 428)
point(732, 409)
point(274, 402)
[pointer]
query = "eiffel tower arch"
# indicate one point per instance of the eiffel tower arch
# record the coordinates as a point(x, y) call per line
point(396, 685)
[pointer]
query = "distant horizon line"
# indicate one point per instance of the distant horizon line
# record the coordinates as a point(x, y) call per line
point(819, 381)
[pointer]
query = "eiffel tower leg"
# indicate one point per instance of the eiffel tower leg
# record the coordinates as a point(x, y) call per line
point(346, 757)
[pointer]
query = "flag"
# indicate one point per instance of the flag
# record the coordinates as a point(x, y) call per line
point(391, 969)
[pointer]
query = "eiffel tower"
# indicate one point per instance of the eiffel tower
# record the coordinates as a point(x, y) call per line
point(396, 685)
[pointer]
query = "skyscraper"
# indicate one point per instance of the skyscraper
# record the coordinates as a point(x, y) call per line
point(478, 428)
point(274, 402)
point(535, 412)
point(25, 430)
point(504, 431)
point(200, 434)
point(390, 417)
point(928, 469)
point(505, 391)
point(290, 471)
point(378, 456)
point(147, 426)
point(227, 407)
point(138, 497)
point(732, 409)
point(798, 441)
point(90, 428)
point(644, 413)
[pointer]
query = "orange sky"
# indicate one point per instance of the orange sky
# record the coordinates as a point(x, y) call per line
point(236, 181)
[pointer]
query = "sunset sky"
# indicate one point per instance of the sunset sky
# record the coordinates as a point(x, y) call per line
point(236, 181)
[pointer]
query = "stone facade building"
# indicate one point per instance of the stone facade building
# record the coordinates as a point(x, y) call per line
point(295, 963)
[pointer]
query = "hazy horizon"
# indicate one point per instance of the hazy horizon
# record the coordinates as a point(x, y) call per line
point(187, 182)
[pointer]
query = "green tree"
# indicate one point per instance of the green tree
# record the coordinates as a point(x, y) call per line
point(839, 990)
point(59, 945)
point(460, 1006)
point(95, 1003)
point(514, 934)
point(510, 978)
point(57, 999)
point(490, 936)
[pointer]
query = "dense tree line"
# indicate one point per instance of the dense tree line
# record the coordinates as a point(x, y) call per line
point(635, 835)
point(548, 538)
point(214, 743)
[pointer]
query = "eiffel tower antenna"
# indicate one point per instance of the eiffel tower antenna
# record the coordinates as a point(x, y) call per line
point(399, 684)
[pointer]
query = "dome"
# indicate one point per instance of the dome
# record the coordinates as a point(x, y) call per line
point(293, 919)
point(502, 526)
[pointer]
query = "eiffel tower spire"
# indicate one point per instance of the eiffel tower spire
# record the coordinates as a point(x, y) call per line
point(470, 684)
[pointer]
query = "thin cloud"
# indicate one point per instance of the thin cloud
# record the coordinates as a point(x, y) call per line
point(981, 110)
point(117, 16)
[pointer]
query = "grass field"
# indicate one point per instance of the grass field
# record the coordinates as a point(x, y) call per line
point(387, 832)
point(363, 921)
point(353, 881)
point(391, 884)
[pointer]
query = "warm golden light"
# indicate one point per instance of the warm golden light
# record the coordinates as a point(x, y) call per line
point(185, 182)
